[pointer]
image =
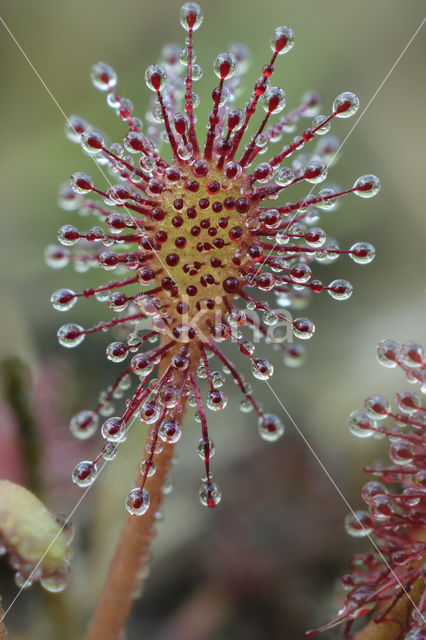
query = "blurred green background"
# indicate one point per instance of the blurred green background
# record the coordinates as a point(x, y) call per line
point(264, 564)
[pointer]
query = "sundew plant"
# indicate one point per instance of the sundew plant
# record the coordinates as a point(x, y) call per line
point(198, 239)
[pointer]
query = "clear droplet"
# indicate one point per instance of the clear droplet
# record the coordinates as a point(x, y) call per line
point(367, 186)
point(216, 400)
point(155, 77)
point(303, 328)
point(346, 104)
point(137, 502)
point(210, 494)
point(74, 127)
point(109, 451)
point(317, 122)
point(274, 100)
point(225, 65)
point(68, 235)
point(362, 252)
point(190, 16)
point(92, 141)
point(84, 424)
point(206, 449)
point(282, 40)
point(270, 427)
point(361, 425)
point(262, 369)
point(114, 430)
point(56, 257)
point(170, 431)
point(401, 452)
point(103, 76)
point(63, 299)
point(387, 353)
point(377, 407)
point(70, 335)
point(359, 524)
point(412, 354)
point(340, 289)
point(57, 581)
point(117, 351)
point(148, 467)
point(315, 172)
point(84, 473)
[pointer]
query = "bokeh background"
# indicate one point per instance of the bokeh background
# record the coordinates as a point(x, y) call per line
point(265, 563)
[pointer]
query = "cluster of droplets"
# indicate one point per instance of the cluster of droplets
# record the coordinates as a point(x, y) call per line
point(395, 518)
point(190, 236)
point(28, 573)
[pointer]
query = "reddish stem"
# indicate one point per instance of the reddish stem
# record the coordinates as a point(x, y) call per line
point(132, 553)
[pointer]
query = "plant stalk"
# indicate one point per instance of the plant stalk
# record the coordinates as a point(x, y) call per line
point(132, 553)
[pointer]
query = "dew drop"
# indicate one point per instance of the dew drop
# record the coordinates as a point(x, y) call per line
point(282, 40)
point(56, 257)
point(412, 354)
point(92, 141)
point(274, 100)
point(137, 502)
point(359, 524)
point(68, 235)
point(317, 121)
point(377, 407)
point(190, 16)
point(401, 452)
point(361, 425)
point(206, 449)
point(367, 186)
point(109, 452)
point(70, 335)
point(103, 76)
point(340, 289)
point(55, 582)
point(170, 431)
point(387, 353)
point(84, 473)
point(155, 77)
point(216, 400)
point(63, 299)
point(210, 494)
point(315, 172)
point(74, 127)
point(148, 467)
point(262, 369)
point(346, 104)
point(84, 424)
point(303, 328)
point(117, 351)
point(225, 65)
point(362, 252)
point(270, 427)
point(114, 430)
point(284, 176)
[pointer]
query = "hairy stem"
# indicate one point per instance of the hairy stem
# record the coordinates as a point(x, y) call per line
point(131, 555)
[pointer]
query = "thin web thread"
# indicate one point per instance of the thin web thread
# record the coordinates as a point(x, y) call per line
point(353, 126)
point(71, 126)
point(345, 500)
point(66, 522)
